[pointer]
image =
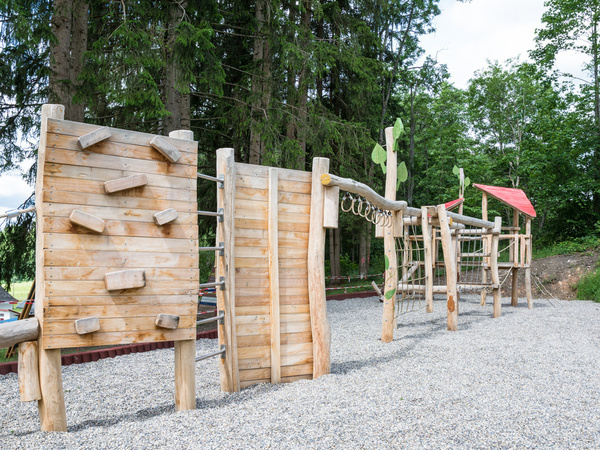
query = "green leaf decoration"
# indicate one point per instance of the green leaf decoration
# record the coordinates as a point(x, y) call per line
point(402, 172)
point(389, 294)
point(456, 171)
point(378, 155)
point(387, 262)
point(467, 181)
point(384, 168)
point(398, 129)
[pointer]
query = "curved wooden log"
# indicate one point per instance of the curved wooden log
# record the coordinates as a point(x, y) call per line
point(12, 333)
point(347, 184)
point(467, 220)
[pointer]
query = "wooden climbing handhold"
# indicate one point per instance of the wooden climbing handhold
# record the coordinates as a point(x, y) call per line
point(169, 321)
point(125, 279)
point(87, 140)
point(120, 184)
point(166, 216)
point(87, 325)
point(165, 148)
point(88, 221)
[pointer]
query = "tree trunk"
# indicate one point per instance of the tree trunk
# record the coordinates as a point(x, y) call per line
point(334, 254)
point(303, 78)
point(60, 55)
point(174, 102)
point(79, 41)
point(362, 252)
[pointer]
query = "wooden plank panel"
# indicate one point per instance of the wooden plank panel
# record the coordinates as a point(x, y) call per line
point(250, 214)
point(293, 263)
point(294, 300)
point(79, 158)
point(295, 327)
point(122, 228)
point(296, 378)
point(294, 209)
point(116, 338)
point(251, 205)
point(293, 226)
point(116, 311)
point(254, 170)
point(116, 201)
point(107, 325)
point(77, 129)
point(97, 187)
point(126, 300)
point(97, 273)
point(251, 301)
point(65, 288)
point(251, 252)
point(251, 310)
point(254, 341)
point(246, 193)
point(295, 309)
point(298, 317)
point(254, 374)
point(293, 291)
point(109, 213)
point(253, 319)
point(246, 234)
point(296, 338)
point(55, 171)
point(254, 352)
point(255, 363)
point(292, 359)
point(299, 369)
point(121, 260)
point(293, 282)
point(114, 148)
point(252, 263)
point(246, 384)
point(297, 349)
point(294, 198)
point(94, 242)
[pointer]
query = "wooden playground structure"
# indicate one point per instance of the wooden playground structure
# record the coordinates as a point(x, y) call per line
point(116, 258)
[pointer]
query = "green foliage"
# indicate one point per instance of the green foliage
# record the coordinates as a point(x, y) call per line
point(588, 287)
point(567, 247)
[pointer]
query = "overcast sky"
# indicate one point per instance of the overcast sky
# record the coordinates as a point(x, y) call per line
point(468, 34)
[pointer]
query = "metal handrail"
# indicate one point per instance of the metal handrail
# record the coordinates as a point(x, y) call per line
point(210, 355)
point(220, 283)
point(16, 212)
point(220, 248)
point(220, 180)
point(216, 318)
point(218, 214)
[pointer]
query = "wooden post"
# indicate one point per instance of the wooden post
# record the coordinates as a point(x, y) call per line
point(528, 258)
point(426, 230)
point(273, 244)
point(331, 207)
point(321, 334)
point(450, 264)
point(485, 245)
point(51, 406)
point(230, 376)
point(185, 350)
point(29, 377)
point(389, 243)
point(514, 293)
point(494, 267)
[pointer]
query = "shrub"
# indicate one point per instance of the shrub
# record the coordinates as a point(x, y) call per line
point(588, 287)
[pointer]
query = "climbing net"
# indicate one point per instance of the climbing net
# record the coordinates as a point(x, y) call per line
point(473, 258)
point(411, 267)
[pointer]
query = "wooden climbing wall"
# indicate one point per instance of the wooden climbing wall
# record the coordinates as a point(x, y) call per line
point(75, 259)
point(274, 339)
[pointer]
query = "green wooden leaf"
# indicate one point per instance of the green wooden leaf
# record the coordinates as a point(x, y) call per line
point(387, 262)
point(398, 129)
point(384, 168)
point(389, 294)
point(456, 171)
point(378, 155)
point(467, 181)
point(402, 172)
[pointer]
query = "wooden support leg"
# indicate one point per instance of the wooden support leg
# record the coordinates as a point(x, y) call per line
point(29, 372)
point(426, 228)
point(450, 264)
point(185, 375)
point(514, 293)
point(494, 268)
point(53, 416)
point(483, 292)
point(528, 287)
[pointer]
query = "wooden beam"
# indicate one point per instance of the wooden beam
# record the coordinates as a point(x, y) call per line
point(347, 184)
point(87, 325)
point(165, 148)
point(527, 261)
point(450, 265)
point(496, 291)
point(51, 406)
point(169, 321)
point(316, 273)
point(93, 137)
point(166, 216)
point(185, 375)
point(331, 207)
point(125, 279)
point(389, 243)
point(88, 221)
point(29, 377)
point(226, 264)
point(514, 257)
point(12, 333)
point(273, 246)
point(121, 184)
point(427, 248)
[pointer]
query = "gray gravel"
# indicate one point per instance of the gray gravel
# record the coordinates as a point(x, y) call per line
point(526, 380)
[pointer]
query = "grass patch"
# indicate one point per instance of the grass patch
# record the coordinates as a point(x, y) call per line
point(576, 245)
point(588, 287)
point(20, 290)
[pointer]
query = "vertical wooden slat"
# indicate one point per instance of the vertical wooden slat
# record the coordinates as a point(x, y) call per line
point(527, 261)
point(316, 273)
point(389, 242)
point(494, 267)
point(331, 207)
point(185, 351)
point(450, 264)
point(274, 275)
point(514, 292)
point(486, 247)
point(52, 404)
point(228, 366)
point(426, 229)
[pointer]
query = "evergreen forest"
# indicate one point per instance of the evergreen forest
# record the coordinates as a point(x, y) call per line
point(284, 81)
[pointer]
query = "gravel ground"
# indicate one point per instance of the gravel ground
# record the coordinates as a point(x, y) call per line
point(528, 379)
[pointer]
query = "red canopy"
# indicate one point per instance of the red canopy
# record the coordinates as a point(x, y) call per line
point(453, 204)
point(515, 198)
